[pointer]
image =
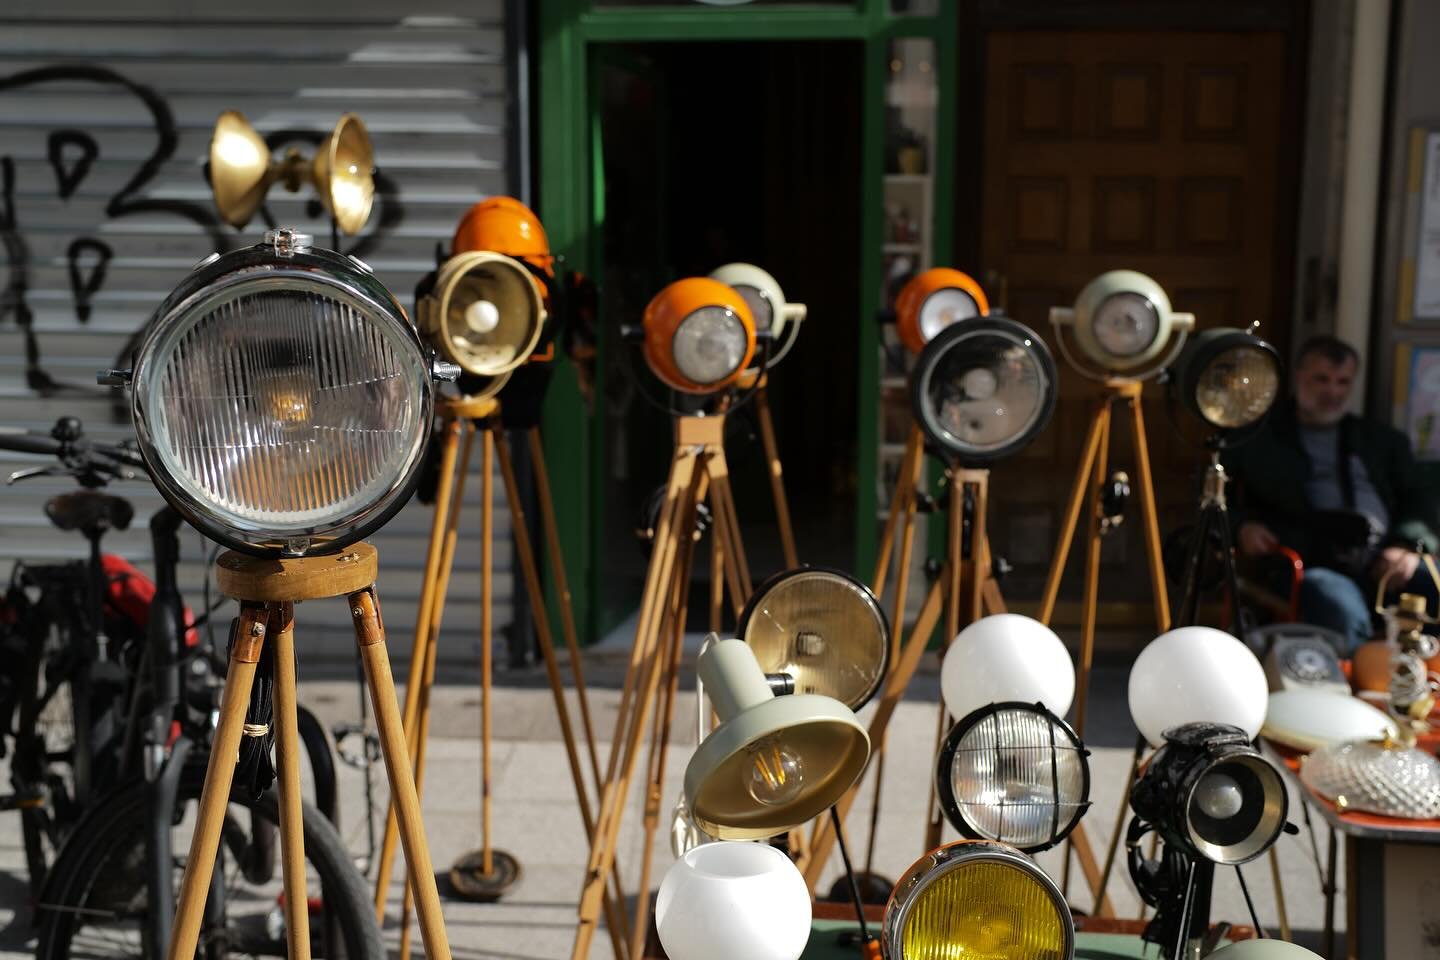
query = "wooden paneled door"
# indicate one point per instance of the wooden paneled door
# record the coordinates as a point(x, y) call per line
point(1161, 152)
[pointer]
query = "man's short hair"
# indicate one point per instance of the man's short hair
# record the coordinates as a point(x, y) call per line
point(1334, 349)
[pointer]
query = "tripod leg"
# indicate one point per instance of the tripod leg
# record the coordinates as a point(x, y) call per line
point(562, 588)
point(370, 637)
point(525, 560)
point(899, 679)
point(1102, 901)
point(420, 738)
point(717, 580)
point(659, 745)
point(287, 755)
point(899, 507)
point(219, 774)
point(449, 451)
point(1094, 443)
point(1092, 579)
point(738, 571)
point(777, 479)
point(1150, 516)
point(487, 595)
point(676, 523)
point(964, 584)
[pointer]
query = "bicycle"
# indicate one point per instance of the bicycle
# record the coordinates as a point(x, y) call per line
point(111, 889)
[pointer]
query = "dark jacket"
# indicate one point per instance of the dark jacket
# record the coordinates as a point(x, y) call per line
point(1269, 471)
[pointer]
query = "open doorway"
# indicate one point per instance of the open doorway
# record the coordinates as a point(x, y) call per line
point(718, 152)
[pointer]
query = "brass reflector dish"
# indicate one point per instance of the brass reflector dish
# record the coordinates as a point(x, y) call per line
point(822, 628)
point(485, 314)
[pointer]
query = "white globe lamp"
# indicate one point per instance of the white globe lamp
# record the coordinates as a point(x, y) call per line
point(1007, 657)
point(1196, 674)
point(731, 899)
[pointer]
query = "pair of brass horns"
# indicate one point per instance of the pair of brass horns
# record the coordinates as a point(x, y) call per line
point(342, 170)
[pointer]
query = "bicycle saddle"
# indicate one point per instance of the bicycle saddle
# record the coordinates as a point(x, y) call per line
point(89, 510)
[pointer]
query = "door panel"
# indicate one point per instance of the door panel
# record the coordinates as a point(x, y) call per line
point(1156, 151)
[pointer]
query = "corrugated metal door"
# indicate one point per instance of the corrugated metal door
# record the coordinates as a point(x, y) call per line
point(105, 117)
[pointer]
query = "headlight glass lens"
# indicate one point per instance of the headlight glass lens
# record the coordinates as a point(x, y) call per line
point(823, 629)
point(1014, 774)
point(709, 345)
point(760, 306)
point(944, 307)
point(1237, 387)
point(986, 391)
point(1126, 324)
point(989, 904)
point(284, 406)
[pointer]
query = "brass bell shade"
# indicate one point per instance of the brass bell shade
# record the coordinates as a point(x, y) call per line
point(485, 314)
point(774, 762)
point(342, 171)
point(824, 629)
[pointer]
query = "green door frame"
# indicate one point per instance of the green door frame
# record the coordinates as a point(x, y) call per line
point(571, 204)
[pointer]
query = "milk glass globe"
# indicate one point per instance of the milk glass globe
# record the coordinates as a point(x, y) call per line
point(732, 899)
point(1007, 657)
point(1196, 674)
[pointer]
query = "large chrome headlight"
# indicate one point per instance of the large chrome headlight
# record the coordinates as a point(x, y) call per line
point(977, 899)
point(282, 399)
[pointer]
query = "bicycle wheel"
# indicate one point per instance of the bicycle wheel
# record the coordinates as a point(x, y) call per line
point(94, 903)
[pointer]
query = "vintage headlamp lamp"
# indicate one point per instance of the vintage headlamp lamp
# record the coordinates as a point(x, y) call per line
point(282, 400)
point(342, 171)
point(1122, 325)
point(933, 300)
point(979, 899)
point(485, 313)
point(699, 335)
point(767, 305)
point(824, 629)
point(983, 389)
point(1014, 773)
point(1228, 378)
point(773, 762)
point(1211, 794)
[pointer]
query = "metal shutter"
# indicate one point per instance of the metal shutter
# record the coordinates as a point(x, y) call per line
point(431, 88)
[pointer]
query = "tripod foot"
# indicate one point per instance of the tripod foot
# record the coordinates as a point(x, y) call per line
point(470, 882)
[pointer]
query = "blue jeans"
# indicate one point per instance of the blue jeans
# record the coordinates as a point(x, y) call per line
point(1330, 599)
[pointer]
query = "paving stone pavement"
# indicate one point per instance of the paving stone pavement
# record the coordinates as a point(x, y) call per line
point(535, 816)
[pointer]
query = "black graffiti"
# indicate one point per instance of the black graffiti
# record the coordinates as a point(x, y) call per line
point(70, 172)
point(86, 280)
point(71, 154)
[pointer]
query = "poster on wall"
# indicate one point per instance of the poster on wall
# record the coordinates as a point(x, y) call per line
point(1427, 252)
point(1422, 403)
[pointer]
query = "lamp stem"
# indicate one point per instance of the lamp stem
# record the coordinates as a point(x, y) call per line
point(865, 936)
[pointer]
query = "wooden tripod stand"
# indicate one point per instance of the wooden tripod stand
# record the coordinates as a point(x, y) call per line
point(486, 869)
point(697, 469)
point(1089, 480)
point(268, 591)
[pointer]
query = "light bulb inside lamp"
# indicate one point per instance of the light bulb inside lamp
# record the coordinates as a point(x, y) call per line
point(482, 316)
point(776, 774)
point(1219, 796)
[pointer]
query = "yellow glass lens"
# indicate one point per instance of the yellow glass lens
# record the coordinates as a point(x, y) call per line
point(1237, 387)
point(985, 910)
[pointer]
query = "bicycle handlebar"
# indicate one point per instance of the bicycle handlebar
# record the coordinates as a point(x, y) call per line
point(93, 463)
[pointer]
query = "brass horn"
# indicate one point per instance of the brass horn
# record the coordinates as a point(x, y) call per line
point(342, 171)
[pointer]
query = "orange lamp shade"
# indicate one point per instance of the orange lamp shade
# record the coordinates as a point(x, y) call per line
point(504, 225)
point(933, 300)
point(699, 335)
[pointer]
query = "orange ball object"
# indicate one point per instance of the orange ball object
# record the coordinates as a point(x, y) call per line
point(1370, 666)
point(920, 288)
point(504, 225)
point(699, 335)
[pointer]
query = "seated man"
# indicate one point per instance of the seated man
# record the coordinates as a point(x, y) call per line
point(1340, 489)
